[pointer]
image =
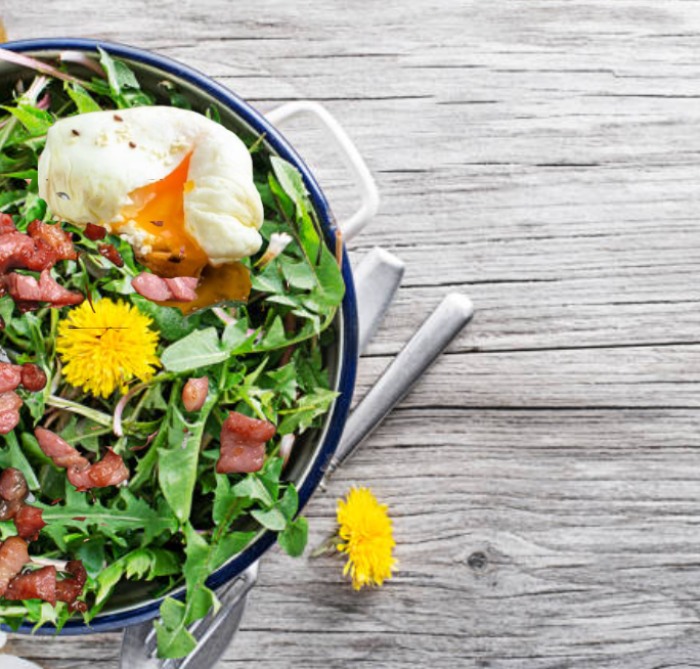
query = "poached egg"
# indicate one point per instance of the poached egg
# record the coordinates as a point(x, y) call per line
point(173, 183)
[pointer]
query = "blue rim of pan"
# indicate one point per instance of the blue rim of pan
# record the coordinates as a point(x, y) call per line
point(348, 362)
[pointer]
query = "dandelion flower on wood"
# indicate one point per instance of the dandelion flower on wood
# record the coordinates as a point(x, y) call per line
point(365, 529)
point(104, 349)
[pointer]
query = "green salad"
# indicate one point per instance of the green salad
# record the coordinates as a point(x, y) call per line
point(146, 419)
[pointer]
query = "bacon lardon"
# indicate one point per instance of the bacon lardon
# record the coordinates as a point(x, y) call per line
point(194, 393)
point(25, 289)
point(55, 237)
point(13, 556)
point(159, 289)
point(29, 522)
point(110, 470)
point(243, 444)
point(33, 377)
point(13, 491)
point(10, 376)
point(6, 224)
point(13, 485)
point(69, 589)
point(38, 584)
point(10, 403)
point(59, 450)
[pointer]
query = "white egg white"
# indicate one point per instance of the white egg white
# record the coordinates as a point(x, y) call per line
point(92, 162)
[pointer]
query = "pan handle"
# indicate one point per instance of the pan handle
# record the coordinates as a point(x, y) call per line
point(350, 155)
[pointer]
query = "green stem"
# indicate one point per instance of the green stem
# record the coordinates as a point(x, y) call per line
point(74, 407)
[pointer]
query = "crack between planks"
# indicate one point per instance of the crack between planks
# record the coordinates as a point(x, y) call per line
point(475, 350)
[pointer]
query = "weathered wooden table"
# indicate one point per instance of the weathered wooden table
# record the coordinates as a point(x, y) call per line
point(545, 477)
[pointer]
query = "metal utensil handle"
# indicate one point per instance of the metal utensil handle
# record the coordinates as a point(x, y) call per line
point(350, 155)
point(377, 278)
point(433, 337)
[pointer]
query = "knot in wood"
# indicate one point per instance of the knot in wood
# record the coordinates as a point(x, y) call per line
point(478, 561)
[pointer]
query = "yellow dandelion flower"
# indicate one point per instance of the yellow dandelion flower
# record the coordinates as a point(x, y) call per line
point(106, 348)
point(365, 528)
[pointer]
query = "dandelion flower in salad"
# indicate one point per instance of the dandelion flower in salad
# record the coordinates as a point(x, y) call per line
point(105, 345)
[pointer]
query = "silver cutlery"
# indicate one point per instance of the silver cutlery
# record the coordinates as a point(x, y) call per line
point(377, 278)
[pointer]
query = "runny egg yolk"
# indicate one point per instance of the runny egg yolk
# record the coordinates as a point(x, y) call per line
point(158, 210)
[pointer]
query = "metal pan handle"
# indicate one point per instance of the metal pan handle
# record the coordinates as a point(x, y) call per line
point(348, 152)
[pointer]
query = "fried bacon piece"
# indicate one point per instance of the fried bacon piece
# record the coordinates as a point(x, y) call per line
point(59, 450)
point(43, 584)
point(39, 584)
point(29, 522)
point(243, 444)
point(152, 287)
point(40, 249)
point(33, 377)
point(158, 289)
point(10, 376)
point(111, 470)
point(13, 485)
point(194, 393)
point(8, 510)
point(182, 288)
point(55, 237)
point(13, 491)
point(95, 232)
point(30, 292)
point(69, 589)
point(6, 224)
point(16, 250)
point(10, 403)
point(13, 556)
point(110, 252)
point(29, 375)
point(79, 478)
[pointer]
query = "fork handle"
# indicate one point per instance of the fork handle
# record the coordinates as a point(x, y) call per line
point(421, 351)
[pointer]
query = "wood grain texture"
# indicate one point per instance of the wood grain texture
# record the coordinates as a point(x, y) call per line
point(545, 477)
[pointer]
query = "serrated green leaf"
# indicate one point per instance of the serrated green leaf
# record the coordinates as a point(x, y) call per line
point(236, 339)
point(294, 537)
point(307, 410)
point(118, 74)
point(275, 337)
point(198, 349)
point(271, 519)
point(291, 181)
point(35, 121)
point(289, 503)
point(126, 514)
point(170, 321)
point(251, 486)
point(298, 274)
point(177, 464)
point(228, 504)
point(81, 98)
